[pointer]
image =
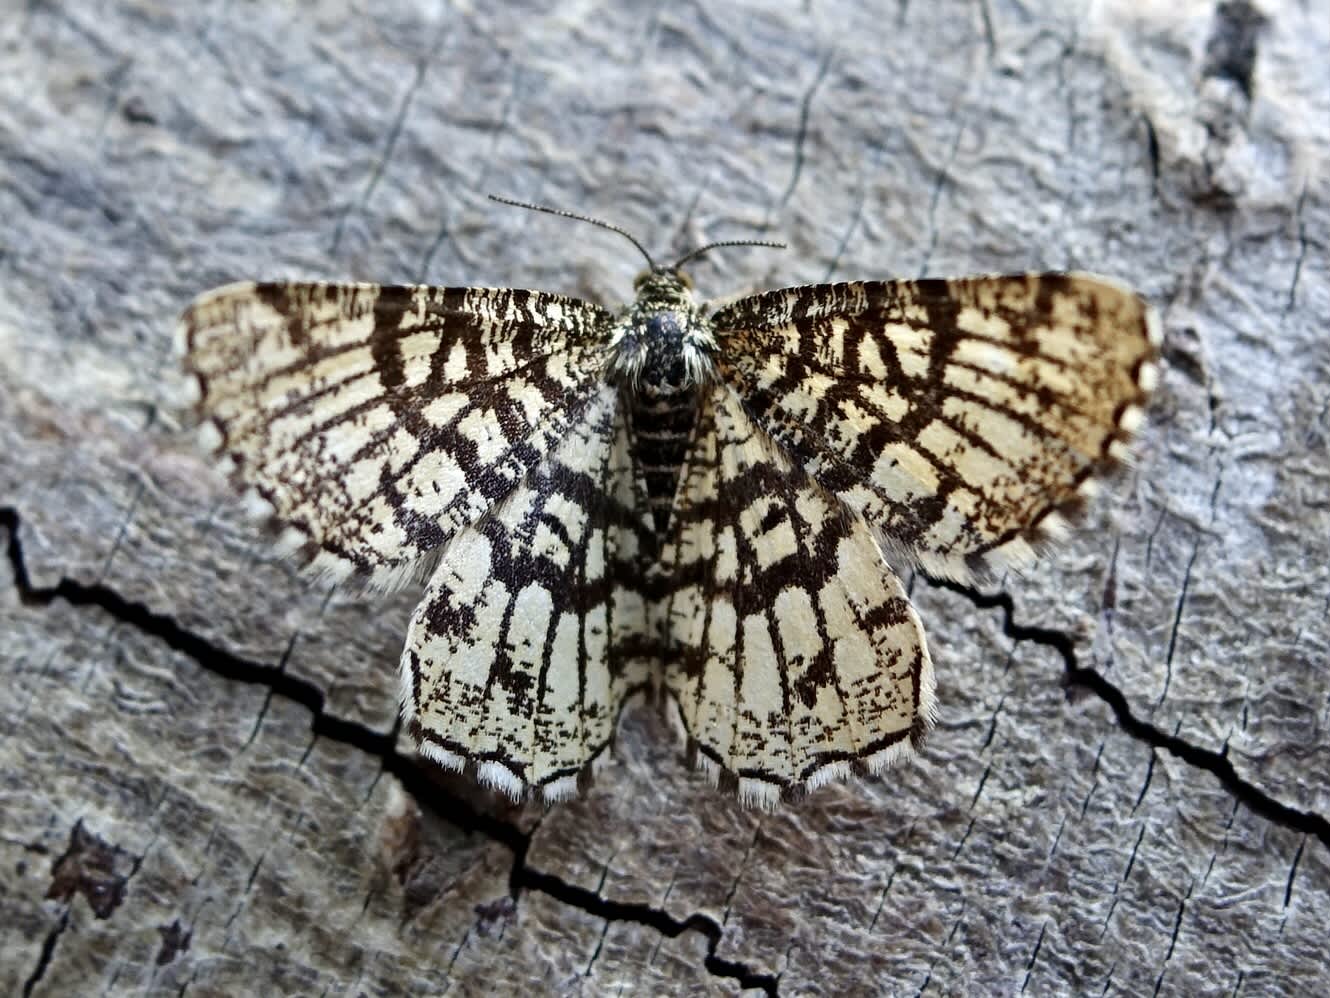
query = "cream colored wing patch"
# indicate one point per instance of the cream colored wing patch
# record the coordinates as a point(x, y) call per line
point(372, 422)
point(531, 635)
point(792, 654)
point(666, 497)
point(959, 417)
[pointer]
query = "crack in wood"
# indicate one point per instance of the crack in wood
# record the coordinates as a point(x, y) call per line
point(1177, 615)
point(1302, 253)
point(1173, 940)
point(1075, 675)
point(48, 951)
point(802, 134)
point(461, 815)
point(1029, 967)
point(1145, 785)
point(1293, 872)
point(1136, 847)
point(414, 780)
point(641, 914)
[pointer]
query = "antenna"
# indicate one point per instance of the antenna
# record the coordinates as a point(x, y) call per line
point(693, 254)
point(581, 218)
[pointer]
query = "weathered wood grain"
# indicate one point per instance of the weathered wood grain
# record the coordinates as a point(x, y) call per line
point(200, 788)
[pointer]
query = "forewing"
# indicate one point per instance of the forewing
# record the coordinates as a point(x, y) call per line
point(375, 421)
point(792, 654)
point(531, 635)
point(958, 416)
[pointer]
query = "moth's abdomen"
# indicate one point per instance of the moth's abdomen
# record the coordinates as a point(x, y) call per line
point(660, 359)
point(660, 429)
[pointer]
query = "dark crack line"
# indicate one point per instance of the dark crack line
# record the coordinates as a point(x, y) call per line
point(415, 781)
point(1112, 907)
point(497, 132)
point(124, 529)
point(882, 898)
point(279, 683)
point(1215, 763)
point(394, 132)
point(980, 789)
point(992, 730)
point(1293, 872)
point(1057, 836)
point(605, 929)
point(48, 951)
point(1029, 967)
point(1177, 620)
point(1094, 779)
point(1108, 981)
point(805, 106)
point(855, 218)
point(617, 911)
point(524, 877)
point(1136, 847)
point(990, 36)
point(1145, 787)
point(739, 873)
point(1302, 253)
point(1152, 151)
point(390, 145)
point(1173, 940)
point(964, 838)
point(943, 177)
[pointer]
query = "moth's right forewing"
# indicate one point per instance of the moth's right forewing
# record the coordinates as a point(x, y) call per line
point(962, 418)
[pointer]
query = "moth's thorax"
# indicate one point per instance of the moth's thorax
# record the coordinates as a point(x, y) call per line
point(660, 356)
point(661, 344)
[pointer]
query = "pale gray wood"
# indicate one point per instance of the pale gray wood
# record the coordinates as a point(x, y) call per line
point(162, 671)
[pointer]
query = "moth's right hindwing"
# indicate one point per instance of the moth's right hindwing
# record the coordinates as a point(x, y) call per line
point(792, 654)
point(375, 421)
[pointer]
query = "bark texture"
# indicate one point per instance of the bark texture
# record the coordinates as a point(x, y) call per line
point(201, 786)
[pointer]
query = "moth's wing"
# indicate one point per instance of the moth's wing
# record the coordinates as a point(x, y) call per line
point(960, 417)
point(532, 635)
point(375, 421)
point(792, 654)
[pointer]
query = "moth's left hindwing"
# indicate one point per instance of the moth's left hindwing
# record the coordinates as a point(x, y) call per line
point(532, 634)
point(376, 421)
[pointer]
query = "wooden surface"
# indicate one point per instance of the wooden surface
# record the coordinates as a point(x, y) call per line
point(200, 787)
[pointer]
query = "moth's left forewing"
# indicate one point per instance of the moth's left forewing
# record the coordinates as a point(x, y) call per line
point(371, 422)
point(964, 418)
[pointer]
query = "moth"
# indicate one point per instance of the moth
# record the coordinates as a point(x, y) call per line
point(672, 500)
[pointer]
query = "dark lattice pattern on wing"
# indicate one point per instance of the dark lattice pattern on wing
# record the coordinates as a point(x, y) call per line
point(662, 497)
point(375, 421)
point(792, 654)
point(955, 415)
point(532, 633)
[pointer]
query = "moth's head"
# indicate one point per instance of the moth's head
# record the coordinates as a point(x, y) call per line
point(667, 285)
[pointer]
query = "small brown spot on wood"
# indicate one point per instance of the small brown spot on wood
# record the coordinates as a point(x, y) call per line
point(175, 940)
point(94, 868)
